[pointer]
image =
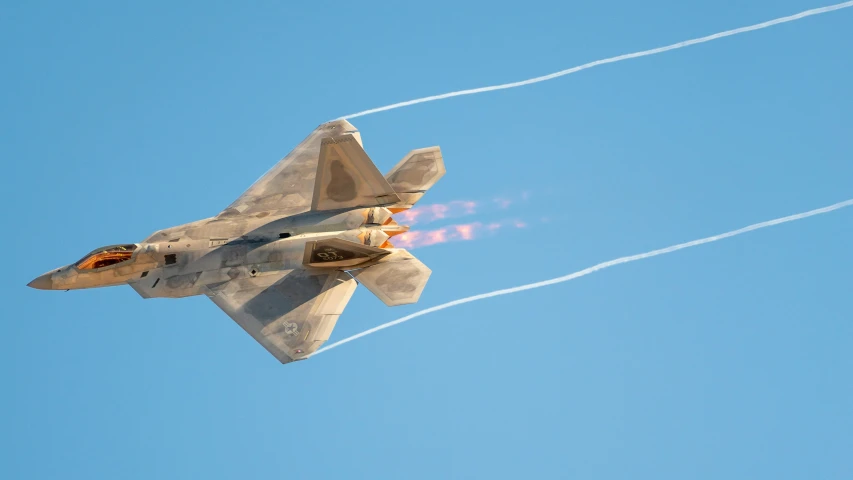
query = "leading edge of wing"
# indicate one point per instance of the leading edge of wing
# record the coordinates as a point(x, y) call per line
point(327, 170)
point(291, 313)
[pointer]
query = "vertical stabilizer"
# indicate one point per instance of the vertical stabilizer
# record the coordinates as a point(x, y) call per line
point(347, 178)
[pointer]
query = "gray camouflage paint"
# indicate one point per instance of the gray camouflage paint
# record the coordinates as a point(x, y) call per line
point(280, 260)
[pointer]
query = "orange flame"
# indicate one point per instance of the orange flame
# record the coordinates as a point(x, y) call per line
point(451, 233)
point(456, 208)
point(465, 231)
point(438, 211)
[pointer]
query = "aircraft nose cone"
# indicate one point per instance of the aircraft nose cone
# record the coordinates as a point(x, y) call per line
point(42, 283)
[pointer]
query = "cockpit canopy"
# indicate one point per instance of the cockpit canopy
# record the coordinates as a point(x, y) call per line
point(106, 256)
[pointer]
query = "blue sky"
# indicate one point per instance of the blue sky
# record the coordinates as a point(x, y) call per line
point(730, 360)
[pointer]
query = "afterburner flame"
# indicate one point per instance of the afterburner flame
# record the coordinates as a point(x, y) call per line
point(452, 233)
point(437, 211)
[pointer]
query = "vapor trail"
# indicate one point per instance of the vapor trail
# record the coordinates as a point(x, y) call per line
point(592, 269)
point(653, 51)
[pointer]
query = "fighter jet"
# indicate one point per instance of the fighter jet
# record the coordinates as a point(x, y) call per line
point(284, 258)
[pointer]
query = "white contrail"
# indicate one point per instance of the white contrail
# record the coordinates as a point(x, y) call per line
point(653, 51)
point(592, 269)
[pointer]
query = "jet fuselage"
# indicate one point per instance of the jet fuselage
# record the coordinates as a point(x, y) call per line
point(184, 260)
point(285, 257)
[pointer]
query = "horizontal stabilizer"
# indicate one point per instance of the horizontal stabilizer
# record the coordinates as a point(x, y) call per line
point(416, 173)
point(397, 279)
point(337, 253)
